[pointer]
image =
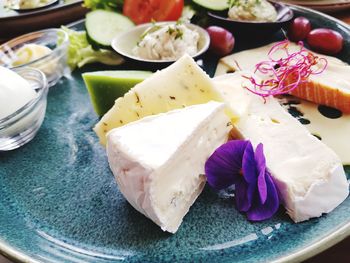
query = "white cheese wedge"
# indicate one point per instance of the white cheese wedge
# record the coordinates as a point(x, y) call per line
point(158, 161)
point(309, 175)
point(181, 84)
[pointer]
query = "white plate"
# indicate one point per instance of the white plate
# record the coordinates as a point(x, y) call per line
point(325, 5)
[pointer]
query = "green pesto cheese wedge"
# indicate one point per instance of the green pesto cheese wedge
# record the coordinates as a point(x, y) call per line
point(105, 87)
point(180, 85)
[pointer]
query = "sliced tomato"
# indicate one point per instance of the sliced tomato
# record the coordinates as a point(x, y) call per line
point(144, 11)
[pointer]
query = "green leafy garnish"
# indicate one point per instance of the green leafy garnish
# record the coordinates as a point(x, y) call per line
point(80, 52)
point(114, 5)
point(151, 29)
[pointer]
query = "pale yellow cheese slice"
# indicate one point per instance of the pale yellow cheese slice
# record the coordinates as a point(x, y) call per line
point(181, 84)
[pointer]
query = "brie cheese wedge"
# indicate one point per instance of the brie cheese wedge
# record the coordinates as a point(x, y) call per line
point(309, 176)
point(158, 161)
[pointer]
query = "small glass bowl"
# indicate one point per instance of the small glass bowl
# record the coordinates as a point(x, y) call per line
point(21, 126)
point(54, 65)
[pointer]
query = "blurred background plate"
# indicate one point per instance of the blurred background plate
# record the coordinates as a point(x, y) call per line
point(324, 6)
point(13, 23)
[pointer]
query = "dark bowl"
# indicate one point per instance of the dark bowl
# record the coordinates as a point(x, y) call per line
point(253, 29)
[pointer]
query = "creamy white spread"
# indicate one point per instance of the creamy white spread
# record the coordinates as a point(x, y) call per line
point(252, 10)
point(29, 53)
point(167, 42)
point(34, 54)
point(15, 92)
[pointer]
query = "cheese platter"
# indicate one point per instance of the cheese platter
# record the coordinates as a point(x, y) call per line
point(60, 201)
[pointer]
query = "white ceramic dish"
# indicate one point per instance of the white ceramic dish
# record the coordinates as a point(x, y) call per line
point(322, 5)
point(126, 41)
point(17, 7)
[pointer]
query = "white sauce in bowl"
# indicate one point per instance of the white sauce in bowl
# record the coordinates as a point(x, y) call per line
point(15, 92)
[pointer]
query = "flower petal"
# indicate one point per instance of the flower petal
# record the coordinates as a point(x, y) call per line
point(240, 196)
point(261, 167)
point(223, 166)
point(244, 194)
point(259, 211)
point(248, 164)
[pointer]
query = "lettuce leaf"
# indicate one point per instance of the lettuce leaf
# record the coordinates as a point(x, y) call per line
point(80, 52)
point(114, 5)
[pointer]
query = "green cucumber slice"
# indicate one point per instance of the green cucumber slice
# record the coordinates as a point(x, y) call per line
point(216, 5)
point(102, 26)
point(105, 87)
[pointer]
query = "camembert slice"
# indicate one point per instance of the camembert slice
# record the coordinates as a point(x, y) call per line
point(158, 161)
point(181, 84)
point(309, 175)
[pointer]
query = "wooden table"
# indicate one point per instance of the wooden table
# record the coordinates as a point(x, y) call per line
point(339, 253)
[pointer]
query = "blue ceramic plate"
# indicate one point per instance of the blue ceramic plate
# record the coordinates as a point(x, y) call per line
point(59, 201)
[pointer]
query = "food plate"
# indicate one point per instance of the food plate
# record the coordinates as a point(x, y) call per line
point(14, 23)
point(59, 201)
point(322, 5)
point(27, 9)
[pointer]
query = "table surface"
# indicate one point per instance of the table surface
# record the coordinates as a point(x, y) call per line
point(339, 253)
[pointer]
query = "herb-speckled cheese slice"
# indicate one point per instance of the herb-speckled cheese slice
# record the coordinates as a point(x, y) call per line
point(181, 84)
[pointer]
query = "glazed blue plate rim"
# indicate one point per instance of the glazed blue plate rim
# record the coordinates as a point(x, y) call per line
point(300, 255)
point(323, 243)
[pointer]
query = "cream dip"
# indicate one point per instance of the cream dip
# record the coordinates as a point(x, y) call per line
point(167, 42)
point(252, 10)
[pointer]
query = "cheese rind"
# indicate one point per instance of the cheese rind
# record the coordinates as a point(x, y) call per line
point(158, 161)
point(309, 175)
point(181, 84)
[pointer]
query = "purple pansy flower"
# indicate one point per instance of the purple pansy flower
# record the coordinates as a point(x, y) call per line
point(236, 163)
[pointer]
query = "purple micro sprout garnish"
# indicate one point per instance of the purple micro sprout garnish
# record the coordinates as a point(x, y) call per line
point(236, 163)
point(284, 72)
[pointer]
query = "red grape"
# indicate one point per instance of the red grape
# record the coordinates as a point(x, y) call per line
point(325, 41)
point(221, 40)
point(299, 29)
